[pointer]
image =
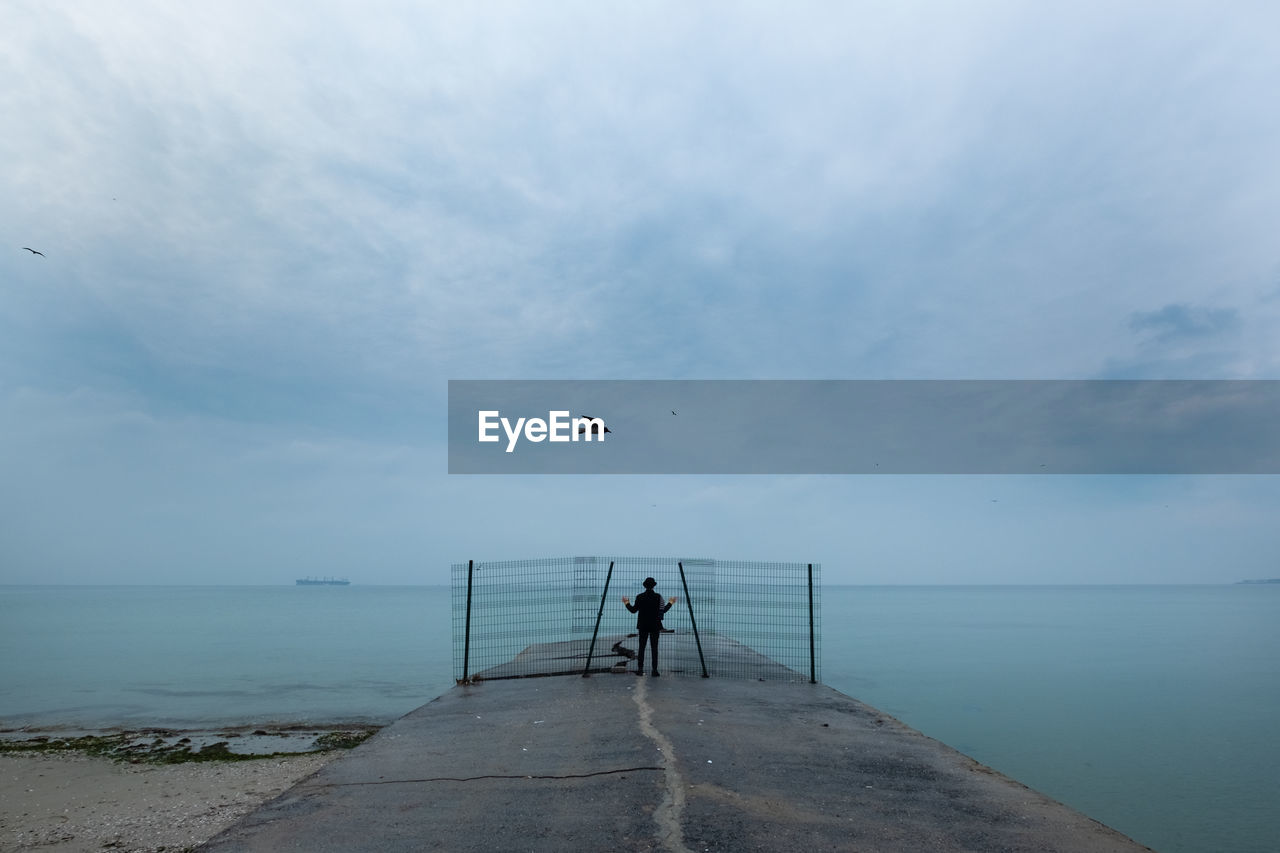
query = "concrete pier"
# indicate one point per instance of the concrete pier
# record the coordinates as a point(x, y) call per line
point(678, 763)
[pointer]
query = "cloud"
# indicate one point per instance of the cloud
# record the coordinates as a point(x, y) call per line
point(414, 188)
point(1174, 323)
point(1199, 341)
point(300, 220)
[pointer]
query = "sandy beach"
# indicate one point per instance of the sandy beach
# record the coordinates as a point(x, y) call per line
point(73, 801)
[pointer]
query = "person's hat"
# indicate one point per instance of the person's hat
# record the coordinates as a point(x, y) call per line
point(650, 583)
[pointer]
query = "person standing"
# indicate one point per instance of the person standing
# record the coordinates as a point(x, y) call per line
point(648, 608)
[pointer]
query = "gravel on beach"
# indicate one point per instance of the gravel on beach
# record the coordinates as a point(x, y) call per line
point(72, 802)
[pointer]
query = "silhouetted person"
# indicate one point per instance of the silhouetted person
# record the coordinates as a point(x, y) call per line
point(648, 608)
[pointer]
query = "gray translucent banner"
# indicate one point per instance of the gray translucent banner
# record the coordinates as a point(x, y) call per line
point(866, 427)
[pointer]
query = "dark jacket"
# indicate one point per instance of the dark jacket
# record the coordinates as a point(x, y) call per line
point(649, 607)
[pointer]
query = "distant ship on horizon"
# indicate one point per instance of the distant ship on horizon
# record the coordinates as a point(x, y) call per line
point(323, 582)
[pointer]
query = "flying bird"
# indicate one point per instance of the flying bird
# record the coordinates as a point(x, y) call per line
point(583, 427)
point(673, 411)
point(33, 251)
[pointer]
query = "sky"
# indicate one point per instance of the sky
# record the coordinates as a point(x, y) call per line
point(272, 234)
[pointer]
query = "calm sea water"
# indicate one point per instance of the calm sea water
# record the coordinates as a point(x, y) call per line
point(1152, 709)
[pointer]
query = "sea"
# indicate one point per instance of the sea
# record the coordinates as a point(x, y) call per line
point(1153, 709)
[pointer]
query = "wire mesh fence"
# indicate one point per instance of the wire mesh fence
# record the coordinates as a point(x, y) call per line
point(565, 616)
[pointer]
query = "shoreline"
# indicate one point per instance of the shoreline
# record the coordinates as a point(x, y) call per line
point(163, 745)
point(150, 789)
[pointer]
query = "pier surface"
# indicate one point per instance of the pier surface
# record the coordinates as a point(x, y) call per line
point(678, 763)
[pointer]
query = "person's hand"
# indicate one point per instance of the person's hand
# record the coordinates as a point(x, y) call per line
point(626, 600)
point(671, 600)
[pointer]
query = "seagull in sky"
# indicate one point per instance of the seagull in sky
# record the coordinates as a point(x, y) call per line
point(583, 427)
point(33, 251)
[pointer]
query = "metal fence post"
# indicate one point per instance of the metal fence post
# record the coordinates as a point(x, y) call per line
point(689, 603)
point(813, 663)
point(586, 670)
point(466, 642)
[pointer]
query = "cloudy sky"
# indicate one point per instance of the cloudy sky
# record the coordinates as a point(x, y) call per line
point(272, 233)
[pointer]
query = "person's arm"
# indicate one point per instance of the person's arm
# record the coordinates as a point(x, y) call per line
point(628, 603)
point(667, 606)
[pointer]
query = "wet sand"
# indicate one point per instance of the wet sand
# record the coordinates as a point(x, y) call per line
point(72, 802)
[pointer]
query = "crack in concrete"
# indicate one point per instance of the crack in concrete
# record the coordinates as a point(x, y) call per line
point(478, 778)
point(670, 812)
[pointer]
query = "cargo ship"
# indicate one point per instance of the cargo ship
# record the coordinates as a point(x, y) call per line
point(323, 582)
